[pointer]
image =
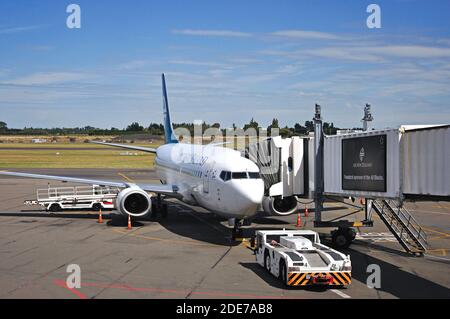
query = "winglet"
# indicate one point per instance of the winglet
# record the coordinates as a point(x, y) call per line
point(168, 128)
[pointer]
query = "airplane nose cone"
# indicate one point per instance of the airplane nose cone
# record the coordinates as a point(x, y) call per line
point(250, 197)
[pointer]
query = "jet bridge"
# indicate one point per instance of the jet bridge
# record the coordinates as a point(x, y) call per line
point(383, 167)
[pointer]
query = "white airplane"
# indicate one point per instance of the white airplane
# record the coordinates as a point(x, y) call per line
point(213, 177)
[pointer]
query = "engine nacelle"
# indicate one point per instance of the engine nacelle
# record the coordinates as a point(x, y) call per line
point(280, 206)
point(134, 201)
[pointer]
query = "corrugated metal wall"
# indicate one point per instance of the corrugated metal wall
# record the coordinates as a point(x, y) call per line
point(426, 161)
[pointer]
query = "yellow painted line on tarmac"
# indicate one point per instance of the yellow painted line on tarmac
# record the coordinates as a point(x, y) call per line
point(443, 251)
point(126, 177)
point(436, 238)
point(429, 212)
point(441, 206)
point(436, 231)
point(172, 241)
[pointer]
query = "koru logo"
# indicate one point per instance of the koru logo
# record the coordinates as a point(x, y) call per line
point(361, 154)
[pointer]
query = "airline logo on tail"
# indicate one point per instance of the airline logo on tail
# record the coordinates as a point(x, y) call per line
point(168, 128)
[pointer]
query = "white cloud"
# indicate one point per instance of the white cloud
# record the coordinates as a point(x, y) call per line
point(213, 33)
point(19, 29)
point(409, 51)
point(366, 53)
point(198, 63)
point(342, 53)
point(302, 34)
point(133, 65)
point(46, 78)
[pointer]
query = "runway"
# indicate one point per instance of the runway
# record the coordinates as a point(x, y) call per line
point(189, 254)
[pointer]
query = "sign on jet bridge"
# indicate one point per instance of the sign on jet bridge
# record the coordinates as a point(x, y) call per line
point(364, 163)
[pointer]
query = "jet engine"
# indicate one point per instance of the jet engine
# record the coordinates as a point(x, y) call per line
point(134, 201)
point(279, 206)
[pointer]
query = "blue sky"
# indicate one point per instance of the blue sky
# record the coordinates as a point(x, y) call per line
point(225, 62)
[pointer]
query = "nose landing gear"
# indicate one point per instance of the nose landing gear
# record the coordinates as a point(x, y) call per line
point(237, 230)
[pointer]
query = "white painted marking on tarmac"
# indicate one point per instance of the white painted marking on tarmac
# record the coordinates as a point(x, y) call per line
point(376, 237)
point(428, 212)
point(436, 257)
point(340, 293)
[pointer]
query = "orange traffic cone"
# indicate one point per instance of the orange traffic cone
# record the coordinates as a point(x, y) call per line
point(100, 218)
point(129, 222)
point(299, 220)
point(306, 212)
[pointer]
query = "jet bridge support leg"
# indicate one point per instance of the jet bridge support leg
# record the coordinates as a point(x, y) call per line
point(344, 235)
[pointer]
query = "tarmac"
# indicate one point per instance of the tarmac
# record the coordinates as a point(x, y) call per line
point(190, 254)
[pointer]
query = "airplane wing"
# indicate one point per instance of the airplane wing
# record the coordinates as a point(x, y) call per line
point(137, 148)
point(164, 189)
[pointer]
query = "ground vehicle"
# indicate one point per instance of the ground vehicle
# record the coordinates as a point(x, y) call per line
point(58, 198)
point(298, 258)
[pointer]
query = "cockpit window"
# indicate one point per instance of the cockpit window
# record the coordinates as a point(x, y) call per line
point(254, 175)
point(225, 176)
point(239, 175)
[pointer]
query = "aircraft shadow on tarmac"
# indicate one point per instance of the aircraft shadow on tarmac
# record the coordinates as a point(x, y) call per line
point(182, 220)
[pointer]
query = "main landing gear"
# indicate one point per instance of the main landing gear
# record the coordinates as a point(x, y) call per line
point(159, 207)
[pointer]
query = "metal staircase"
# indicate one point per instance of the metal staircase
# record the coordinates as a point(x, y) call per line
point(402, 225)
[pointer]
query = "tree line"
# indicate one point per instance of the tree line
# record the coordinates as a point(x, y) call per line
point(158, 129)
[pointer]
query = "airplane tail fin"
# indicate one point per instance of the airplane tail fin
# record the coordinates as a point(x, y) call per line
point(168, 128)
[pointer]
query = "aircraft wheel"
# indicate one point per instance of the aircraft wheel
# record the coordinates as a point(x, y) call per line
point(54, 208)
point(267, 261)
point(342, 238)
point(283, 272)
point(164, 211)
point(155, 209)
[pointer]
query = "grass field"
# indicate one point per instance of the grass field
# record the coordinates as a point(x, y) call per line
point(68, 156)
point(21, 153)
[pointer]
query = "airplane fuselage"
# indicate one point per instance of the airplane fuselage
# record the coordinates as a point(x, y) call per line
point(216, 178)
